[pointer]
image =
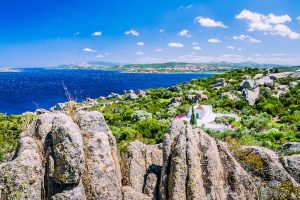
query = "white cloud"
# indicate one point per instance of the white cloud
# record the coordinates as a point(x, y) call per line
point(76, 34)
point(298, 19)
point(184, 33)
point(197, 48)
point(175, 45)
point(132, 32)
point(140, 43)
point(185, 7)
point(97, 33)
point(230, 47)
point(158, 50)
point(189, 6)
point(99, 56)
point(195, 43)
point(207, 22)
point(89, 50)
point(268, 24)
point(139, 53)
point(247, 38)
point(214, 40)
point(239, 49)
point(161, 30)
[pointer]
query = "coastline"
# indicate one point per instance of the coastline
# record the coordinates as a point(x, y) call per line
point(9, 70)
point(212, 73)
point(140, 72)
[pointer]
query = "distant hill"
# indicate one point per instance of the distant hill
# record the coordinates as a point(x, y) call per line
point(89, 65)
point(173, 67)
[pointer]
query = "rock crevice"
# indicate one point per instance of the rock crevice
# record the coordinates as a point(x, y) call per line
point(60, 157)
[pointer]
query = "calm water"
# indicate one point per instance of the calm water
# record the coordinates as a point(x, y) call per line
point(42, 88)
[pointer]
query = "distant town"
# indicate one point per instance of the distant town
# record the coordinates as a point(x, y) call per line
point(170, 67)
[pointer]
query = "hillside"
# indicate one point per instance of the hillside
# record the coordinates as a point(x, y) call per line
point(173, 67)
point(161, 156)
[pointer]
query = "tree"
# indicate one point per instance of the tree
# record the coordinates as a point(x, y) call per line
point(193, 120)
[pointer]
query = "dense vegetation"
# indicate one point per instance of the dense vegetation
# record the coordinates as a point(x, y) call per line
point(270, 122)
point(10, 128)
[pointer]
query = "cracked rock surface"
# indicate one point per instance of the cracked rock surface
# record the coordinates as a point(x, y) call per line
point(61, 157)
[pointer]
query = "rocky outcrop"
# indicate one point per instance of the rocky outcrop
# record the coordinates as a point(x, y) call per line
point(296, 74)
point(200, 94)
point(192, 99)
point(250, 96)
point(280, 75)
point(175, 89)
point(22, 178)
point(198, 167)
point(247, 84)
point(280, 90)
point(264, 81)
point(230, 95)
point(258, 76)
point(175, 102)
point(218, 83)
point(114, 96)
point(289, 148)
point(102, 178)
point(133, 95)
point(266, 169)
point(292, 166)
point(142, 167)
point(61, 157)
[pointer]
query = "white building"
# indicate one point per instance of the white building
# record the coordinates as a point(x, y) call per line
point(206, 117)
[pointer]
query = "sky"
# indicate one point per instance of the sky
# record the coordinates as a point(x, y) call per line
point(54, 32)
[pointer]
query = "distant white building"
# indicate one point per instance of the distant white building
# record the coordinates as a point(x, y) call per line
point(199, 112)
point(206, 117)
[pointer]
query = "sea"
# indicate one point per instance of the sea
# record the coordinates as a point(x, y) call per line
point(34, 88)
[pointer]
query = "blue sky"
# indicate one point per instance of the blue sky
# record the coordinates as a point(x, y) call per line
point(53, 32)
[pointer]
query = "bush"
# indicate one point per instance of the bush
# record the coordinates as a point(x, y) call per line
point(140, 115)
point(10, 128)
point(225, 120)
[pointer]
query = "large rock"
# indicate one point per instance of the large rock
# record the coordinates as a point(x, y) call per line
point(192, 99)
point(201, 95)
point(114, 96)
point(265, 81)
point(198, 167)
point(22, 178)
point(142, 168)
point(71, 192)
point(102, 177)
point(175, 102)
point(296, 74)
point(280, 90)
point(250, 96)
point(258, 76)
point(175, 89)
point(67, 149)
point(230, 95)
point(290, 148)
point(266, 169)
point(131, 194)
point(43, 125)
point(280, 75)
point(218, 83)
point(247, 84)
point(292, 166)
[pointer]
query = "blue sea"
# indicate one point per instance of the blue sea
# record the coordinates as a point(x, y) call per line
point(42, 88)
